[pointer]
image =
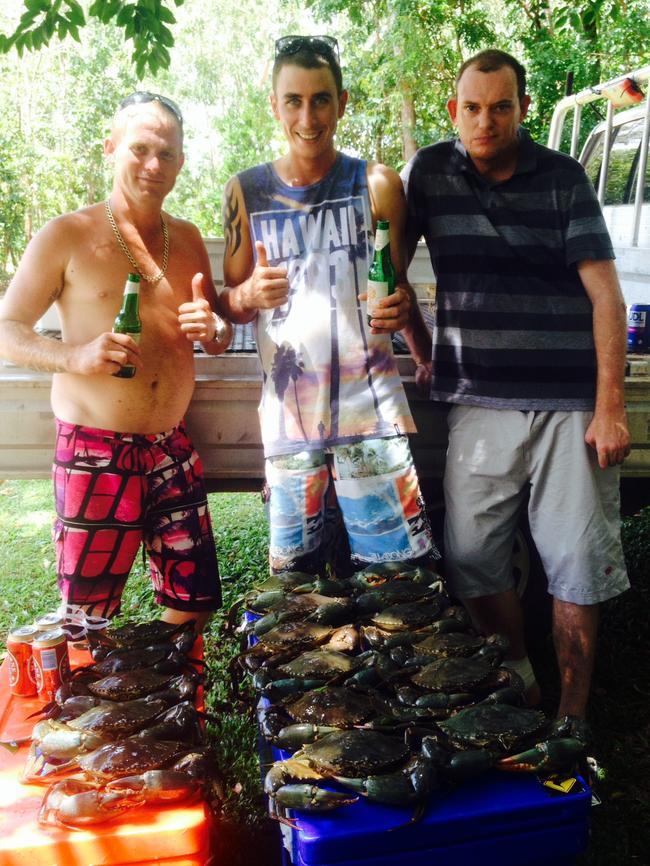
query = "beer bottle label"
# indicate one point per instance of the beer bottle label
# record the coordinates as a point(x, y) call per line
point(376, 291)
point(381, 239)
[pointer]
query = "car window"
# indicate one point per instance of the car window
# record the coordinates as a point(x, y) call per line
point(646, 180)
point(623, 163)
point(595, 159)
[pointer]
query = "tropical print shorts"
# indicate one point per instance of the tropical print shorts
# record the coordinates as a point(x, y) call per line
point(115, 490)
point(374, 487)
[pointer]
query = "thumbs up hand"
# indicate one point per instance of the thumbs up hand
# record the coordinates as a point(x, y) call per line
point(268, 287)
point(195, 317)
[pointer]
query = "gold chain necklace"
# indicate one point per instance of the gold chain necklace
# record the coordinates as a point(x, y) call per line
point(127, 252)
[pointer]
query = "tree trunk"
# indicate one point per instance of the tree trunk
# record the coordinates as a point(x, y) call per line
point(409, 144)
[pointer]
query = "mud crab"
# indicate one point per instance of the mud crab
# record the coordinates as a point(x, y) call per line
point(76, 804)
point(310, 607)
point(375, 765)
point(296, 722)
point(58, 747)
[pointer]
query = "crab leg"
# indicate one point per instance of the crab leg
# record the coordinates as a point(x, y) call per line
point(549, 756)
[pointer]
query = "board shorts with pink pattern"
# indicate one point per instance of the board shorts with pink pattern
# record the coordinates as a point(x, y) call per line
point(115, 490)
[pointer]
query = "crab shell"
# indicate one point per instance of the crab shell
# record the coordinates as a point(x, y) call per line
point(332, 706)
point(300, 635)
point(354, 753)
point(137, 684)
point(453, 675)
point(412, 615)
point(392, 592)
point(119, 719)
point(319, 663)
point(452, 645)
point(128, 756)
point(143, 634)
point(497, 726)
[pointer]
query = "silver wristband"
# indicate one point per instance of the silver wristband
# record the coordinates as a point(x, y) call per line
point(220, 329)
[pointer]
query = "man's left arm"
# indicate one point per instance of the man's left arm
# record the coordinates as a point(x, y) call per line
point(401, 310)
point(608, 432)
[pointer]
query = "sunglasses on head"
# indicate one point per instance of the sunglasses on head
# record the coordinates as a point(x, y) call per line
point(285, 46)
point(141, 96)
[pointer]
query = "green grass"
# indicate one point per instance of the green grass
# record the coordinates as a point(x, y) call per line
point(618, 710)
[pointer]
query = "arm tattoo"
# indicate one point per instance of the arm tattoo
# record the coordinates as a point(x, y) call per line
point(232, 222)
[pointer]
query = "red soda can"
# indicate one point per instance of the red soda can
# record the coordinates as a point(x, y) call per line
point(51, 663)
point(19, 657)
point(48, 622)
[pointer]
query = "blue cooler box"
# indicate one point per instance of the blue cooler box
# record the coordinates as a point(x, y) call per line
point(496, 820)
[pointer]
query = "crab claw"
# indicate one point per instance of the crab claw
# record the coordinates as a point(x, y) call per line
point(292, 737)
point(470, 764)
point(156, 786)
point(311, 798)
point(412, 784)
point(550, 755)
point(282, 772)
point(76, 804)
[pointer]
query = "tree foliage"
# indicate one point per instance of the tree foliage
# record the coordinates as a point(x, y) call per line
point(399, 61)
point(144, 22)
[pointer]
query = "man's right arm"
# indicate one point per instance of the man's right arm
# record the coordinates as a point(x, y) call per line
point(249, 285)
point(38, 282)
point(420, 342)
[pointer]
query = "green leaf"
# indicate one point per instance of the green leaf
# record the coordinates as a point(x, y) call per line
point(576, 20)
point(165, 36)
point(75, 13)
point(140, 65)
point(74, 32)
point(26, 20)
point(125, 15)
point(166, 15)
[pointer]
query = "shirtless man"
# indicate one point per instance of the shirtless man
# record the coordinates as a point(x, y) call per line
point(124, 469)
point(298, 247)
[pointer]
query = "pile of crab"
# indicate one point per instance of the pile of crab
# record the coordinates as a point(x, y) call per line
point(124, 731)
point(377, 686)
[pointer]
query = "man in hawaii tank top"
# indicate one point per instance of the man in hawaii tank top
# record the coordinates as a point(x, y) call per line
point(333, 413)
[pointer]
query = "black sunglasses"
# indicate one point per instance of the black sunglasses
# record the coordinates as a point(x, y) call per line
point(141, 96)
point(285, 46)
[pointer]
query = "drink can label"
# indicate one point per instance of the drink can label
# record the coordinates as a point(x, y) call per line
point(51, 663)
point(22, 681)
point(638, 330)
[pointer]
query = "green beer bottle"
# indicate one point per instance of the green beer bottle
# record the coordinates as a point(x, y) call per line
point(128, 321)
point(381, 276)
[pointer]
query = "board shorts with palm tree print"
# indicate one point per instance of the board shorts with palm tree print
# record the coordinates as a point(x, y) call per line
point(376, 490)
point(115, 490)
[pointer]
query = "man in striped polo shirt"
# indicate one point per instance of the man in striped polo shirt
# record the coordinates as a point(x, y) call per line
point(529, 348)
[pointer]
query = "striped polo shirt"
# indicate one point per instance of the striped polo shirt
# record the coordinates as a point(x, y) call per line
point(513, 326)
